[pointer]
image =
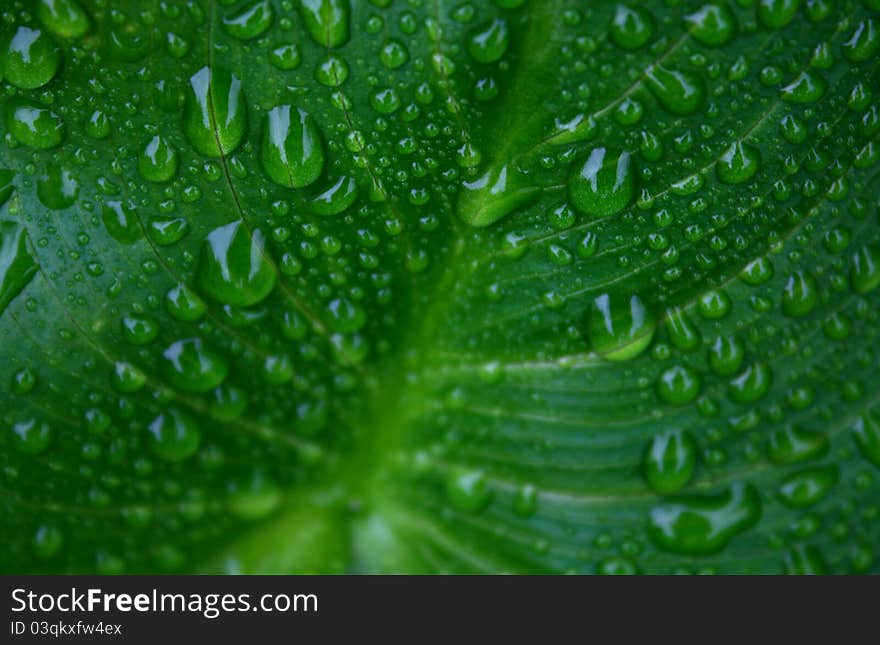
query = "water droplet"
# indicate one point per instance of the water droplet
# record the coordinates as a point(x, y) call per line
point(808, 87)
point(669, 462)
point(252, 20)
point(254, 498)
point(489, 42)
point(751, 384)
point(468, 490)
point(619, 328)
point(33, 126)
point(139, 329)
point(704, 524)
point(31, 436)
point(30, 59)
point(215, 114)
point(121, 221)
point(604, 184)
point(866, 431)
point(336, 199)
point(158, 160)
point(793, 445)
point(326, 21)
point(24, 381)
point(286, 57)
point(344, 316)
point(805, 560)
point(865, 273)
point(776, 14)
point(714, 305)
point(631, 27)
point(167, 231)
point(496, 194)
point(525, 502)
point(184, 304)
point(393, 54)
point(174, 436)
point(863, 43)
point(234, 268)
point(17, 265)
point(738, 163)
point(292, 151)
point(800, 295)
point(681, 329)
point(227, 402)
point(758, 271)
point(48, 541)
point(127, 378)
point(726, 355)
point(64, 18)
point(712, 24)
point(806, 487)
point(678, 385)
point(190, 366)
point(57, 188)
point(581, 128)
point(679, 92)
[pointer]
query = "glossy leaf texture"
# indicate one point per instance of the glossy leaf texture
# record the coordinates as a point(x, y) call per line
point(428, 286)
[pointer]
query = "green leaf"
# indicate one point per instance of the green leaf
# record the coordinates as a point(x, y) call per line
point(526, 286)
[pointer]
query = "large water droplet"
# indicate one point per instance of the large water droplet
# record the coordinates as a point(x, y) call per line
point(496, 194)
point(808, 87)
point(253, 498)
point(17, 265)
point(121, 221)
point(252, 20)
point(679, 92)
point(705, 524)
point(336, 199)
point(806, 487)
point(777, 13)
point(678, 385)
point(726, 355)
point(794, 444)
point(174, 436)
point(190, 366)
point(57, 188)
point(866, 431)
point(215, 113)
point(631, 27)
point(34, 126)
point(683, 333)
point(863, 43)
point(712, 24)
point(468, 490)
point(604, 184)
point(234, 268)
point(30, 59)
point(64, 18)
point(800, 295)
point(865, 273)
point(31, 436)
point(158, 160)
point(292, 151)
point(751, 384)
point(669, 462)
point(489, 42)
point(326, 21)
point(738, 163)
point(619, 328)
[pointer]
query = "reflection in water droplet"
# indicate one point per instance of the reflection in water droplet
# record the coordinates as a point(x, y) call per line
point(174, 435)
point(17, 265)
point(496, 194)
point(29, 58)
point(292, 151)
point(704, 524)
point(619, 328)
point(252, 20)
point(190, 366)
point(326, 21)
point(604, 184)
point(215, 113)
point(669, 461)
point(234, 268)
point(57, 188)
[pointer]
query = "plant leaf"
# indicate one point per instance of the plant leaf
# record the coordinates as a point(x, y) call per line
point(514, 286)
